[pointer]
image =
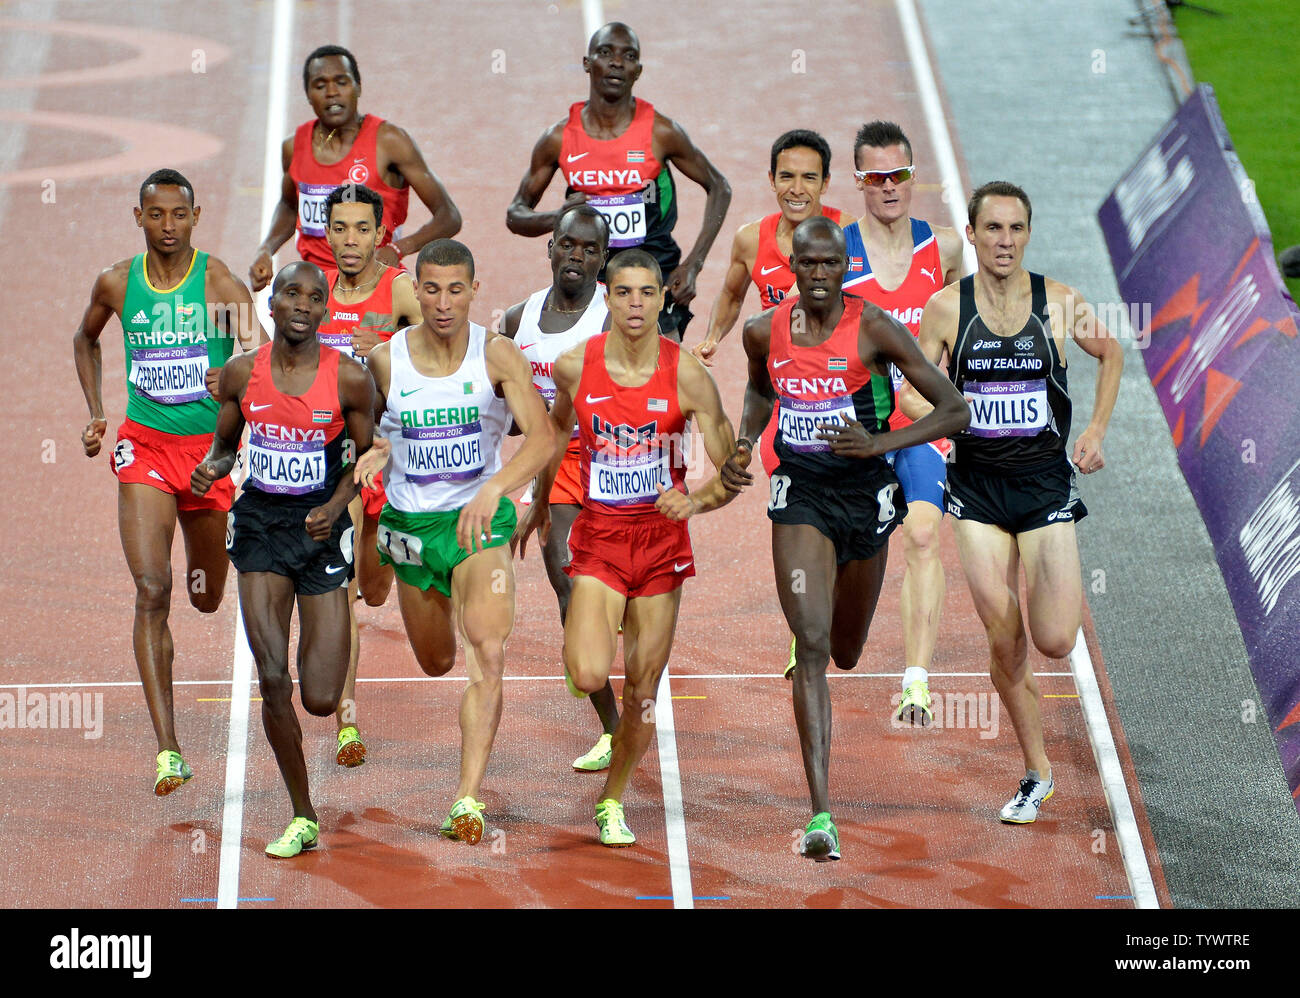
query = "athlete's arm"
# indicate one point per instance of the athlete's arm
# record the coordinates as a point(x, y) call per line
point(567, 372)
point(395, 146)
point(233, 313)
point(230, 425)
point(406, 308)
point(375, 459)
point(884, 340)
point(357, 400)
point(679, 149)
point(726, 307)
point(509, 327)
point(106, 298)
point(283, 222)
point(938, 324)
point(1096, 341)
point(510, 373)
point(760, 397)
point(698, 395)
point(521, 219)
point(950, 250)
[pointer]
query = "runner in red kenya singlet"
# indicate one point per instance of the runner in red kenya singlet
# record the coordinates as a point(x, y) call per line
point(632, 393)
point(341, 146)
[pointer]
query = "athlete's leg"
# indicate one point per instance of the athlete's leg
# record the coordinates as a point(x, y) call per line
point(803, 559)
point(648, 629)
point(991, 562)
point(376, 580)
point(346, 712)
point(921, 599)
point(266, 602)
point(426, 613)
point(591, 632)
point(1052, 574)
point(857, 591)
point(483, 606)
point(206, 561)
point(146, 519)
point(555, 555)
point(323, 622)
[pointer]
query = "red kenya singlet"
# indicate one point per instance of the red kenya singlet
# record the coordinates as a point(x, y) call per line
point(295, 442)
point(315, 181)
point(632, 438)
point(375, 313)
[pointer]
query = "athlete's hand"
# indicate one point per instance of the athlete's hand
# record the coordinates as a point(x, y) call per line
point(92, 437)
point(681, 284)
point(202, 477)
point(210, 381)
point(389, 256)
point(320, 521)
point(363, 341)
point(261, 272)
point(733, 474)
point(372, 462)
point(674, 504)
point(705, 350)
point(537, 517)
point(848, 439)
point(1087, 452)
point(474, 527)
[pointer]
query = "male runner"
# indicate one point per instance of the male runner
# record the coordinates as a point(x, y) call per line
point(368, 302)
point(1011, 490)
point(834, 498)
point(286, 536)
point(633, 394)
point(447, 391)
point(898, 262)
point(614, 153)
point(181, 311)
point(549, 322)
point(342, 145)
point(799, 173)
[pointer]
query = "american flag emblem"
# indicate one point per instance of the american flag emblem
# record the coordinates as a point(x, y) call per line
point(837, 363)
point(636, 155)
point(657, 405)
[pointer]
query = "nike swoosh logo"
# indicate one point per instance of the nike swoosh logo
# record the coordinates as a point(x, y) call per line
point(411, 392)
point(332, 570)
point(782, 363)
point(767, 270)
point(573, 159)
point(881, 530)
point(259, 408)
point(593, 401)
point(681, 568)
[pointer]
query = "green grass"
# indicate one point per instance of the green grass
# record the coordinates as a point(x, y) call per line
point(1251, 56)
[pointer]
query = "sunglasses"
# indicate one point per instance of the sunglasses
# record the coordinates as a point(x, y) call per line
point(878, 178)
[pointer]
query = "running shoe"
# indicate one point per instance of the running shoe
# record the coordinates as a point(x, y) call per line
point(568, 681)
point(1022, 809)
point(173, 772)
point(465, 822)
point(613, 829)
point(914, 708)
point(789, 669)
point(352, 750)
point(821, 839)
point(301, 834)
point(599, 756)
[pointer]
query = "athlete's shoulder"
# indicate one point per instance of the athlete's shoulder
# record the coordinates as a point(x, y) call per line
point(511, 318)
point(552, 139)
point(747, 239)
point(392, 136)
point(1058, 291)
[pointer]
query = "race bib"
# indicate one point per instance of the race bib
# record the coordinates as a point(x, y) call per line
point(340, 340)
point(171, 375)
point(626, 480)
point(799, 420)
point(286, 467)
point(1007, 408)
point(626, 214)
point(402, 548)
point(444, 453)
point(311, 208)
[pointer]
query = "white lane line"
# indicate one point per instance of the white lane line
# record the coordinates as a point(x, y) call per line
point(593, 16)
point(232, 814)
point(940, 138)
point(1112, 777)
point(679, 862)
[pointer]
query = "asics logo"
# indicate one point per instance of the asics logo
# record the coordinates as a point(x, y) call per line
point(767, 270)
point(259, 408)
point(602, 398)
point(573, 159)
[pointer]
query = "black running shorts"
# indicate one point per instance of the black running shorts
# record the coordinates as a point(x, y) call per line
point(1025, 502)
point(857, 518)
point(266, 534)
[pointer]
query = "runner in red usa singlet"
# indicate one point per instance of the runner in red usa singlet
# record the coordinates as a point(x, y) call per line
point(632, 393)
point(289, 536)
point(834, 498)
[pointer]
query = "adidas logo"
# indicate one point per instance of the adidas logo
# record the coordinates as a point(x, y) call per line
point(139, 317)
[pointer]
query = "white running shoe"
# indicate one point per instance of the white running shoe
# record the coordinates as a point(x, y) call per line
point(1022, 809)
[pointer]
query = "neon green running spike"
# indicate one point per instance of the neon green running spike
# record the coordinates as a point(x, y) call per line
point(351, 750)
point(465, 822)
point(598, 757)
point(613, 829)
point(172, 772)
point(302, 833)
point(821, 839)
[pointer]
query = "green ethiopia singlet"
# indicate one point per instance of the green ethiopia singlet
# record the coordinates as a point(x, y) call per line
point(171, 341)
